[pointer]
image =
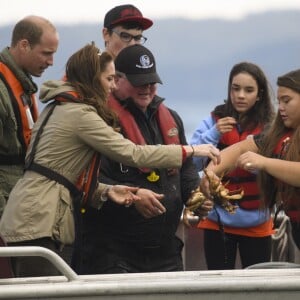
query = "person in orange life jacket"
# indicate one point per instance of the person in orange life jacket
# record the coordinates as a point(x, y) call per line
point(123, 26)
point(247, 111)
point(70, 134)
point(34, 42)
point(274, 154)
point(140, 238)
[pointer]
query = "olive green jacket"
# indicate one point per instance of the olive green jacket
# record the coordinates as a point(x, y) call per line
point(9, 141)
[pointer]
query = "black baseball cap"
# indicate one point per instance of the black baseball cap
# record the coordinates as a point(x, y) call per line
point(126, 13)
point(138, 64)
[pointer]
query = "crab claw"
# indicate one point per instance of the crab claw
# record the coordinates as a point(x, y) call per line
point(236, 195)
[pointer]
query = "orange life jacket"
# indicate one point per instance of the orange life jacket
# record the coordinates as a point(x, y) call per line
point(24, 105)
point(164, 118)
point(166, 123)
point(238, 177)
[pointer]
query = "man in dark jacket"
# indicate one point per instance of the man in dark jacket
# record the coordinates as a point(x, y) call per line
point(142, 237)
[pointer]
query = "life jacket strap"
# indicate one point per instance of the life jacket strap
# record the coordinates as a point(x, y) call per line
point(52, 175)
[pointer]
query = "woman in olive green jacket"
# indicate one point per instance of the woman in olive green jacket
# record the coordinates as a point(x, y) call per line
point(40, 210)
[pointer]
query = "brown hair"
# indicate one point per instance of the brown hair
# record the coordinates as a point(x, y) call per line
point(30, 28)
point(83, 70)
point(262, 112)
point(271, 139)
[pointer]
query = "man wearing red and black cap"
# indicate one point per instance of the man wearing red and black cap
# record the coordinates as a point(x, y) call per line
point(124, 26)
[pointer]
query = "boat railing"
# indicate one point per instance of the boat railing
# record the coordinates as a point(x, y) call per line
point(51, 256)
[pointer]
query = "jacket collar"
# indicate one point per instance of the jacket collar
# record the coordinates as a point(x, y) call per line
point(25, 79)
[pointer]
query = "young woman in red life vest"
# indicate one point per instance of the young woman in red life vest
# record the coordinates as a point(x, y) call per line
point(274, 154)
point(246, 112)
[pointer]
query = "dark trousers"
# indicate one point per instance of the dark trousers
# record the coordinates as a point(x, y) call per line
point(296, 233)
point(221, 249)
point(32, 266)
point(111, 257)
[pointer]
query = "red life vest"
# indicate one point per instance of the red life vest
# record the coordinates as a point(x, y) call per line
point(238, 177)
point(281, 147)
point(292, 208)
point(24, 105)
point(165, 120)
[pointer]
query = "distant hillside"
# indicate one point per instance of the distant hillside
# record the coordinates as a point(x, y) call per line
point(195, 57)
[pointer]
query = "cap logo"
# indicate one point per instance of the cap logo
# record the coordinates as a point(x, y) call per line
point(144, 62)
point(130, 12)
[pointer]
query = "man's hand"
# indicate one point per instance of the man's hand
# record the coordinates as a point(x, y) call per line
point(149, 205)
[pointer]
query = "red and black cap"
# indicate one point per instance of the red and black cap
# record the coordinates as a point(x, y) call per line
point(126, 13)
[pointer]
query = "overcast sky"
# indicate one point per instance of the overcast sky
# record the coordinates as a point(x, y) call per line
point(70, 11)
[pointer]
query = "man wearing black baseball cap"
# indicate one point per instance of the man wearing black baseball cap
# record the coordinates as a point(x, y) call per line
point(138, 64)
point(140, 238)
point(123, 26)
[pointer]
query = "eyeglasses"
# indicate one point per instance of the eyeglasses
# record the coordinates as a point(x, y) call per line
point(127, 37)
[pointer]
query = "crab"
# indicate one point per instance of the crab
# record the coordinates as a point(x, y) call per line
point(220, 195)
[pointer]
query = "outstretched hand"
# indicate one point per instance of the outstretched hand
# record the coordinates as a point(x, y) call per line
point(208, 150)
point(123, 195)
